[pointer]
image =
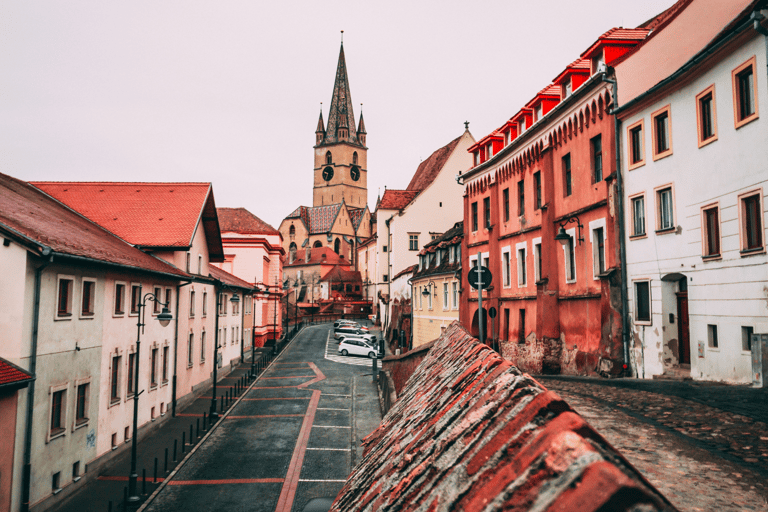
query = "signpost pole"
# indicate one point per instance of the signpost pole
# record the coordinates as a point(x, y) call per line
point(480, 303)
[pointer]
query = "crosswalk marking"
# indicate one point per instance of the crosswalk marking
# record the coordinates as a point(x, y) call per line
point(333, 355)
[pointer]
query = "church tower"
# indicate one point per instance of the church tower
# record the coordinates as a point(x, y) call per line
point(341, 157)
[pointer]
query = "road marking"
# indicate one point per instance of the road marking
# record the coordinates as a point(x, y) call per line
point(329, 426)
point(331, 449)
point(124, 478)
point(288, 492)
point(267, 398)
point(288, 377)
point(230, 417)
point(319, 376)
point(331, 409)
point(228, 481)
point(338, 358)
point(334, 394)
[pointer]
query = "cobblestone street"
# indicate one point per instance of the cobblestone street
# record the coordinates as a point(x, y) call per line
point(703, 446)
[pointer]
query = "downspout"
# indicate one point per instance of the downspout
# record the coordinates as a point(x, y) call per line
point(389, 271)
point(756, 18)
point(626, 370)
point(26, 477)
point(176, 350)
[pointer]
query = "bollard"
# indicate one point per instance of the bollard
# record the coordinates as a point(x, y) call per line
point(198, 429)
point(375, 363)
point(183, 442)
point(175, 441)
point(144, 481)
point(165, 467)
point(154, 475)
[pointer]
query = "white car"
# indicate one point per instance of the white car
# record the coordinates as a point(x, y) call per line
point(357, 347)
point(349, 324)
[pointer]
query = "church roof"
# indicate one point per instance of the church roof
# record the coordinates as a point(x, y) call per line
point(341, 113)
point(356, 215)
point(240, 220)
point(317, 219)
point(431, 167)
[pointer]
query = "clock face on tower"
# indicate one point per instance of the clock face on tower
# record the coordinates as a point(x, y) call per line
point(328, 173)
point(354, 172)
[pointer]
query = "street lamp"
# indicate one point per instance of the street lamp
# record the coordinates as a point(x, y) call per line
point(164, 317)
point(563, 237)
point(234, 300)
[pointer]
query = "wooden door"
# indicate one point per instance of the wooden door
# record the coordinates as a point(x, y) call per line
point(682, 328)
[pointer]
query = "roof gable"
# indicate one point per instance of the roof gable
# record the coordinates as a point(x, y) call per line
point(396, 199)
point(240, 220)
point(431, 167)
point(228, 279)
point(12, 376)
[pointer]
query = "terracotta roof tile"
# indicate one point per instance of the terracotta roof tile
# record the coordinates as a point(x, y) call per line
point(318, 255)
point(240, 220)
point(42, 220)
point(227, 278)
point(431, 167)
point(11, 375)
point(617, 35)
point(340, 274)
point(396, 199)
point(469, 431)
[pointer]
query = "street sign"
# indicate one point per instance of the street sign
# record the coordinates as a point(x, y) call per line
point(481, 274)
point(492, 312)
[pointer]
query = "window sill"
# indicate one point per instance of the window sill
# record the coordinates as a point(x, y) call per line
point(662, 155)
point(87, 316)
point(712, 257)
point(746, 120)
point(705, 142)
point(190, 366)
point(666, 230)
point(118, 313)
point(80, 424)
point(63, 317)
point(55, 434)
point(638, 237)
point(750, 252)
point(635, 165)
point(56, 491)
point(113, 402)
point(114, 448)
point(152, 387)
point(76, 479)
point(645, 323)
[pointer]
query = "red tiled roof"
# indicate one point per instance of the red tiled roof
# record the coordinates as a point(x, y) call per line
point(396, 199)
point(471, 432)
point(12, 375)
point(240, 220)
point(339, 274)
point(579, 65)
point(227, 278)
point(356, 215)
point(407, 270)
point(145, 214)
point(617, 35)
point(32, 214)
point(318, 255)
point(431, 167)
point(317, 219)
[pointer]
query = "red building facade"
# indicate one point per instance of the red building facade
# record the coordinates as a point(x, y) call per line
point(550, 170)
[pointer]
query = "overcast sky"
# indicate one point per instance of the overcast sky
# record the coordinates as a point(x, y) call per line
point(230, 91)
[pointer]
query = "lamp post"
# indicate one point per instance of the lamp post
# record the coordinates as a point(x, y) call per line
point(213, 414)
point(164, 317)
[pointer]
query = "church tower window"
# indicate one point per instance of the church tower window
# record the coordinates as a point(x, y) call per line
point(354, 158)
point(328, 158)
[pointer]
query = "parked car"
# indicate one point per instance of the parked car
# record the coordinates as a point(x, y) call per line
point(358, 347)
point(348, 323)
point(346, 330)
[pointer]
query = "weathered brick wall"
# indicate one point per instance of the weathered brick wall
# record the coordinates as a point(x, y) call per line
point(402, 367)
point(471, 432)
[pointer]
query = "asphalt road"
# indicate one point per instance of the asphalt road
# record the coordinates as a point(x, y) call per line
point(294, 435)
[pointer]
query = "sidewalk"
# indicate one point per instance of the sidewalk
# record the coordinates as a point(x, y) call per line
point(110, 486)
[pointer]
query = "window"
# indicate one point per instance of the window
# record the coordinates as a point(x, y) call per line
point(119, 299)
point(474, 216)
point(522, 270)
point(354, 158)
point(599, 250)
point(76, 471)
point(505, 335)
point(638, 215)
point(235, 308)
point(87, 299)
point(190, 346)
point(384, 249)
point(413, 242)
point(385, 278)
point(662, 141)
point(643, 301)
point(570, 258)
point(205, 302)
point(746, 338)
point(751, 213)
point(135, 298)
point(165, 364)
point(505, 195)
point(446, 304)
point(131, 375)
point(477, 158)
point(521, 326)
point(189, 262)
point(421, 297)
point(539, 111)
point(744, 93)
point(168, 295)
point(153, 368)
point(429, 297)
point(537, 187)
point(56, 482)
point(522, 125)
point(489, 151)
point(597, 158)
point(537, 259)
point(455, 293)
point(156, 306)
point(328, 158)
point(567, 185)
point(199, 264)
point(81, 406)
point(665, 211)
point(191, 303)
point(710, 230)
point(568, 88)
point(636, 143)
point(521, 198)
point(712, 336)
point(506, 268)
point(706, 116)
point(487, 211)
point(127, 434)
point(202, 347)
point(114, 383)
point(57, 412)
point(65, 296)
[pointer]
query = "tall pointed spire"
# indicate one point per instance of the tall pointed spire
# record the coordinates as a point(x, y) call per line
point(341, 118)
point(361, 133)
point(320, 131)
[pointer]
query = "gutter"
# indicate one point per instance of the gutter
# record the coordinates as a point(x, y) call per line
point(26, 477)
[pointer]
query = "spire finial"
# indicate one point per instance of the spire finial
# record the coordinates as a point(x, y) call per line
point(342, 37)
point(466, 125)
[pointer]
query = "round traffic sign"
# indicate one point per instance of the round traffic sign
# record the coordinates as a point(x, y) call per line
point(479, 274)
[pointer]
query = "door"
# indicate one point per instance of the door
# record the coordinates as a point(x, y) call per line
point(682, 328)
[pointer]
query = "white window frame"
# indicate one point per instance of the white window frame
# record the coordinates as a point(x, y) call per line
point(567, 257)
point(446, 303)
point(657, 193)
point(522, 266)
point(80, 314)
point(635, 302)
point(455, 295)
point(536, 242)
point(506, 267)
point(633, 219)
point(138, 305)
point(200, 264)
point(593, 227)
point(78, 383)
point(70, 297)
point(123, 301)
point(63, 386)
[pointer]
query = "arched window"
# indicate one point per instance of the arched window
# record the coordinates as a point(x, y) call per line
point(318, 244)
point(337, 246)
point(292, 247)
point(354, 158)
point(292, 230)
point(328, 158)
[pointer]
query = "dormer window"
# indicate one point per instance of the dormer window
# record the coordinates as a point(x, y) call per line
point(489, 151)
point(522, 126)
point(539, 112)
point(328, 158)
point(598, 61)
point(567, 88)
point(506, 138)
point(477, 158)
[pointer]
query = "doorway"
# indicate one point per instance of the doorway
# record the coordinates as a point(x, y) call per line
point(683, 331)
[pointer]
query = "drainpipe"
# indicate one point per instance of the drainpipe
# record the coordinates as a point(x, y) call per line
point(389, 269)
point(627, 371)
point(756, 18)
point(26, 477)
point(176, 350)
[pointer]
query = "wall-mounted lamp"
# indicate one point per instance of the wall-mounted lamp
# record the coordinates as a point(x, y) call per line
point(563, 237)
point(431, 285)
